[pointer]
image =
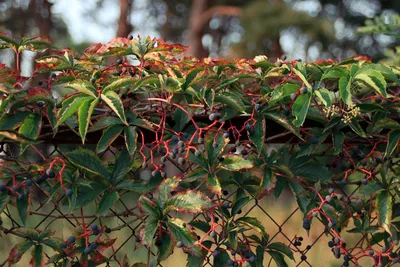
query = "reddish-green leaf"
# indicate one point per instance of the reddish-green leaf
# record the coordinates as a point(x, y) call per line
point(234, 162)
point(188, 201)
point(166, 248)
point(163, 192)
point(148, 230)
point(213, 184)
point(18, 251)
point(38, 256)
point(148, 206)
point(180, 232)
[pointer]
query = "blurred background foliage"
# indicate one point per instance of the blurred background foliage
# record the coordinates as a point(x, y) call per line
point(307, 29)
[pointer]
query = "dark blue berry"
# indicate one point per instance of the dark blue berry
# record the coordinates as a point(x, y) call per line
point(93, 245)
point(69, 192)
point(28, 182)
point(63, 245)
point(87, 250)
point(71, 239)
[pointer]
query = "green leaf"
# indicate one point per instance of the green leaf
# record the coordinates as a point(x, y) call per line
point(84, 114)
point(137, 186)
point(213, 184)
point(30, 128)
point(200, 160)
point(105, 122)
point(375, 80)
point(370, 188)
point(356, 127)
point(11, 121)
point(22, 206)
point(83, 86)
point(221, 259)
point(239, 204)
point(195, 175)
point(338, 140)
point(282, 91)
point(190, 77)
point(300, 108)
point(149, 207)
point(181, 119)
point(117, 84)
point(234, 162)
point(254, 224)
point(114, 102)
point(393, 140)
point(88, 160)
point(278, 246)
point(344, 88)
point(130, 136)
point(166, 248)
point(334, 73)
point(38, 256)
point(180, 232)
point(87, 193)
point(4, 199)
point(107, 201)
point(284, 122)
point(231, 100)
point(70, 106)
point(188, 201)
point(311, 170)
point(108, 137)
point(148, 230)
point(123, 164)
point(162, 194)
point(278, 258)
point(331, 124)
point(53, 242)
point(212, 152)
point(267, 180)
point(299, 70)
point(384, 209)
point(257, 136)
point(325, 96)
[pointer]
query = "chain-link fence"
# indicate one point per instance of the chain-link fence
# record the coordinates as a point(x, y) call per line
point(281, 218)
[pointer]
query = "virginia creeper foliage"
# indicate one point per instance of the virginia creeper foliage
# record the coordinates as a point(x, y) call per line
point(202, 128)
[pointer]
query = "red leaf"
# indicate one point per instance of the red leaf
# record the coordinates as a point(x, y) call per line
point(103, 245)
point(96, 256)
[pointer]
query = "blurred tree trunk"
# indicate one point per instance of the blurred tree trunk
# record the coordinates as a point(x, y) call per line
point(200, 14)
point(124, 25)
point(196, 30)
point(42, 11)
